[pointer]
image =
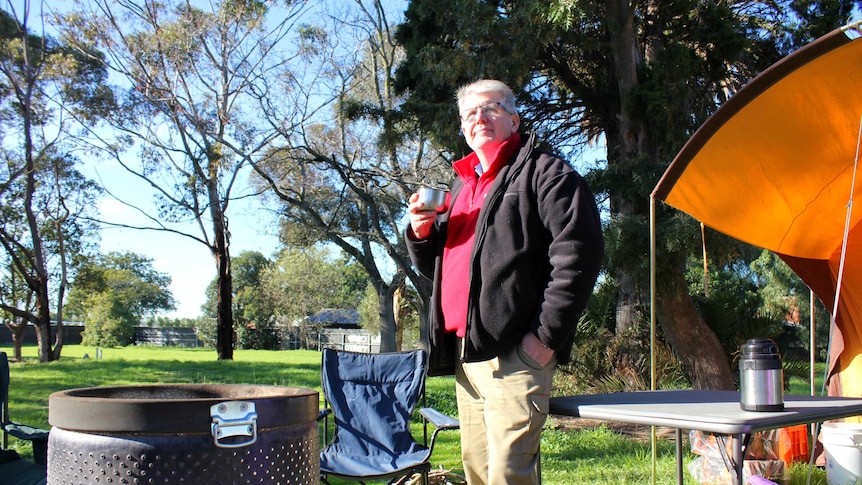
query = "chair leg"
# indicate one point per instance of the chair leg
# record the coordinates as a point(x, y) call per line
point(40, 451)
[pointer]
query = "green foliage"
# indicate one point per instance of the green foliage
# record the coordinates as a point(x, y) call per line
point(737, 302)
point(128, 276)
point(784, 293)
point(448, 44)
point(78, 77)
point(63, 201)
point(604, 361)
point(560, 56)
point(253, 312)
point(260, 335)
point(161, 321)
point(369, 310)
point(207, 330)
point(108, 323)
point(737, 308)
point(198, 72)
point(298, 283)
point(112, 293)
point(303, 281)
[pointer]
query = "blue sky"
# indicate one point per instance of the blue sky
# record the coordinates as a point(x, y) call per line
point(188, 262)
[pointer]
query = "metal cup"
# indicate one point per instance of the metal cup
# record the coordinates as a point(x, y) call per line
point(431, 199)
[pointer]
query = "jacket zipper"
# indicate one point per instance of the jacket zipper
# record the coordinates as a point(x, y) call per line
point(480, 236)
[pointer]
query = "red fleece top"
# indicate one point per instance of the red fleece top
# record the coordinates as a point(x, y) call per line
point(464, 215)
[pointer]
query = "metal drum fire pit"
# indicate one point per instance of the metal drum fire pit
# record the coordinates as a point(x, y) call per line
point(184, 433)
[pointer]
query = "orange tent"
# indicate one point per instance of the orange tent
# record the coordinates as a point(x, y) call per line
point(775, 167)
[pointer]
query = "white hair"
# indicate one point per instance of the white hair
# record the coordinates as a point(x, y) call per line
point(489, 86)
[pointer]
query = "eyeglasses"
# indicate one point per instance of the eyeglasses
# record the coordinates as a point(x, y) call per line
point(493, 108)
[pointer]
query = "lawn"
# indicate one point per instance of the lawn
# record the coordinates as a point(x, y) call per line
point(569, 456)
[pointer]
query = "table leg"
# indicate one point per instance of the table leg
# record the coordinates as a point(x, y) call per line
point(738, 458)
point(678, 456)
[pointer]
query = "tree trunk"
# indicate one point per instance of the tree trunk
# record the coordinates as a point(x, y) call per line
point(388, 339)
point(629, 142)
point(225, 333)
point(61, 290)
point(630, 303)
point(43, 328)
point(58, 339)
point(424, 339)
point(17, 329)
point(690, 337)
point(396, 314)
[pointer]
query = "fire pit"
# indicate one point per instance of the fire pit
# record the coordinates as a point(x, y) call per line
point(183, 433)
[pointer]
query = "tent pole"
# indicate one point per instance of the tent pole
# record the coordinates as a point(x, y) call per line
point(652, 363)
point(833, 321)
point(705, 260)
point(812, 345)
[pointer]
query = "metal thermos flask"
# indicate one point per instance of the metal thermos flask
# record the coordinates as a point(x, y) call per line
point(761, 376)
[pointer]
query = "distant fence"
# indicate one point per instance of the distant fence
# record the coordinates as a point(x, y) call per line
point(355, 340)
point(167, 337)
point(289, 341)
point(71, 334)
point(161, 337)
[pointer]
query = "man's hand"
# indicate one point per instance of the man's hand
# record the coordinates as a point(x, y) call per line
point(421, 221)
point(536, 349)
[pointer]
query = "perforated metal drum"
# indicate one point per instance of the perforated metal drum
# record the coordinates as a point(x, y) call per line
point(169, 434)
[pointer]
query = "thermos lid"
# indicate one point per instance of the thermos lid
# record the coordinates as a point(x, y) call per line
point(760, 348)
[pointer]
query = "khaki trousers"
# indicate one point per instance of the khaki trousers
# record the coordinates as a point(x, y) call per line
point(502, 407)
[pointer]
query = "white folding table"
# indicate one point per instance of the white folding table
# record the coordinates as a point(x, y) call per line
point(707, 411)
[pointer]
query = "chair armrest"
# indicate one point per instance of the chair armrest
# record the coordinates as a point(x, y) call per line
point(323, 413)
point(25, 432)
point(438, 419)
point(38, 437)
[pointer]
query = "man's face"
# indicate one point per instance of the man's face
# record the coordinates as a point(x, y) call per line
point(484, 121)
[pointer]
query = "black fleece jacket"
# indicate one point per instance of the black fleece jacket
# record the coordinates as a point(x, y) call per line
point(536, 256)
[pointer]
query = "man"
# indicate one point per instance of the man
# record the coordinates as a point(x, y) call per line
point(514, 259)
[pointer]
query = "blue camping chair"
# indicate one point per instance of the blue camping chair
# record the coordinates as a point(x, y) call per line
point(372, 398)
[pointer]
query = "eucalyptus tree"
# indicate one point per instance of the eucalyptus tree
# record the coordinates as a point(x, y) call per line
point(641, 75)
point(184, 74)
point(43, 196)
point(345, 168)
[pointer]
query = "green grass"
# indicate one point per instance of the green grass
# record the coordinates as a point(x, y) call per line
point(589, 456)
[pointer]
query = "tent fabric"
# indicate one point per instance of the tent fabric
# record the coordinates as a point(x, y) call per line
point(774, 167)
